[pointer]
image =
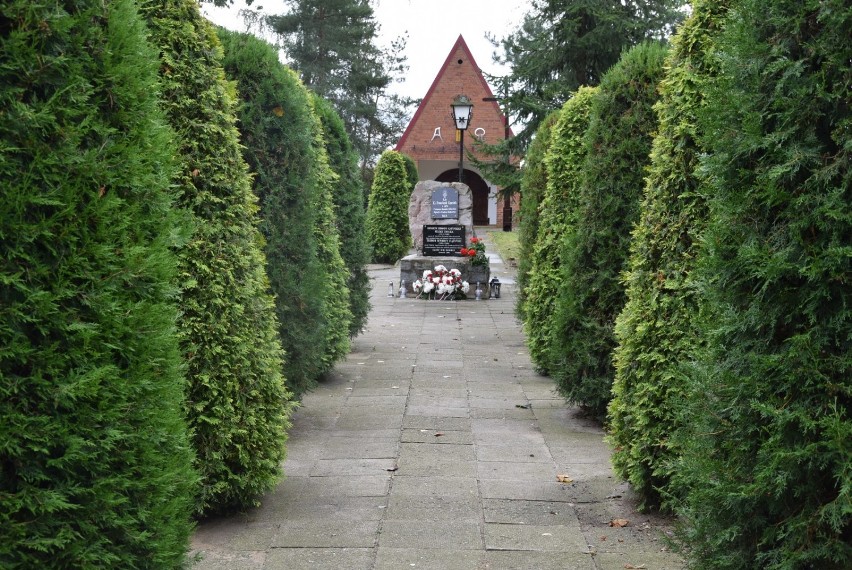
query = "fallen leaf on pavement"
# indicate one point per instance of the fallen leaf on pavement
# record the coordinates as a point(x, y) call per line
point(564, 479)
point(392, 469)
point(632, 567)
point(619, 523)
point(523, 406)
point(439, 434)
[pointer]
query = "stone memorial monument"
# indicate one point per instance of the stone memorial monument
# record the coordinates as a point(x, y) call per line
point(440, 218)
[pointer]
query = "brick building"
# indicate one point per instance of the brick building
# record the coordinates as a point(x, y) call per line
point(432, 140)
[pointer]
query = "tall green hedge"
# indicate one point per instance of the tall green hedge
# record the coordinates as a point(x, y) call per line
point(533, 185)
point(564, 161)
point(617, 146)
point(387, 213)
point(95, 462)
point(237, 405)
point(350, 212)
point(768, 463)
point(657, 330)
point(336, 313)
point(279, 135)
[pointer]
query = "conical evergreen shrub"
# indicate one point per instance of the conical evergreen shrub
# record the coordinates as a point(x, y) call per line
point(411, 170)
point(237, 405)
point(558, 214)
point(657, 329)
point(350, 212)
point(387, 213)
point(95, 462)
point(767, 460)
point(617, 147)
point(279, 135)
point(533, 185)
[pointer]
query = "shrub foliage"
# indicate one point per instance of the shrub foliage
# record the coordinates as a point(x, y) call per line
point(237, 405)
point(564, 162)
point(657, 330)
point(533, 185)
point(279, 135)
point(767, 467)
point(387, 213)
point(617, 146)
point(350, 212)
point(95, 462)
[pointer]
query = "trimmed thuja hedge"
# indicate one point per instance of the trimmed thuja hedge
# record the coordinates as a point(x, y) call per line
point(533, 185)
point(95, 462)
point(657, 330)
point(595, 250)
point(237, 405)
point(279, 135)
point(350, 213)
point(564, 162)
point(768, 451)
point(387, 213)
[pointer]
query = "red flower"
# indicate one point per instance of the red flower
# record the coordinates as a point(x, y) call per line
point(463, 251)
point(474, 240)
point(471, 252)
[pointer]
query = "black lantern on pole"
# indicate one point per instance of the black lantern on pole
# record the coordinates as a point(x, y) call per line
point(462, 111)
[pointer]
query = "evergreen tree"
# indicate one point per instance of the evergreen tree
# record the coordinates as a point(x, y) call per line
point(350, 211)
point(387, 214)
point(237, 405)
point(95, 462)
point(657, 330)
point(411, 170)
point(332, 45)
point(533, 185)
point(767, 461)
point(564, 163)
point(563, 44)
point(279, 137)
point(617, 143)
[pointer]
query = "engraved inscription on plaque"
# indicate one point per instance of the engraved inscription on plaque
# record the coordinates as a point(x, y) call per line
point(445, 204)
point(443, 241)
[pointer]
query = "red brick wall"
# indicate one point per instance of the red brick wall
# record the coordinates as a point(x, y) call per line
point(459, 76)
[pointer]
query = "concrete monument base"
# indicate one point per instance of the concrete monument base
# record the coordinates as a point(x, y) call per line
point(411, 268)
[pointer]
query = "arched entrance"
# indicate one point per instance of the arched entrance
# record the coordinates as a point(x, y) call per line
point(478, 189)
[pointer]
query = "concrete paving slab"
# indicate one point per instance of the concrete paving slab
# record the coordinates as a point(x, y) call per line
point(354, 447)
point(526, 560)
point(436, 423)
point(551, 538)
point(651, 561)
point(325, 533)
point(508, 470)
point(435, 486)
point(441, 535)
point(319, 559)
point(515, 453)
point(545, 513)
point(428, 559)
point(437, 437)
point(434, 508)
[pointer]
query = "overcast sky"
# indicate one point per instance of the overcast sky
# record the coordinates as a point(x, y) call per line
point(432, 25)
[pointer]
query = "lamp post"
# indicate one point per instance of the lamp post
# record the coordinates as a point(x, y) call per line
point(462, 111)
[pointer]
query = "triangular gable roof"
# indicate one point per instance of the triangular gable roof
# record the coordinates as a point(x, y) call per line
point(460, 44)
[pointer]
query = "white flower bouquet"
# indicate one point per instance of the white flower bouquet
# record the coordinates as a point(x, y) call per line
point(442, 284)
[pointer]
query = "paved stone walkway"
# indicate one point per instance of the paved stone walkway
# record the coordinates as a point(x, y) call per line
point(434, 445)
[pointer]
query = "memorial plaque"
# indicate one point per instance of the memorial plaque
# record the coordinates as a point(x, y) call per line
point(443, 241)
point(445, 204)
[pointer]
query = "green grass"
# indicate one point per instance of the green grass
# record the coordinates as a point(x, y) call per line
point(506, 244)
